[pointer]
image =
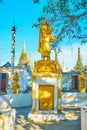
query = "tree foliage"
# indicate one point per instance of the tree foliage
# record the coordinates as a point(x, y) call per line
point(68, 18)
point(36, 1)
point(1, 1)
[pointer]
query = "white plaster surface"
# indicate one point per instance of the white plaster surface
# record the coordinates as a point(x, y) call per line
point(46, 80)
point(74, 99)
point(4, 102)
point(47, 117)
point(18, 100)
point(25, 99)
point(21, 100)
point(9, 119)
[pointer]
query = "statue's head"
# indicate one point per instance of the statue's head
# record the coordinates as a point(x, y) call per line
point(45, 21)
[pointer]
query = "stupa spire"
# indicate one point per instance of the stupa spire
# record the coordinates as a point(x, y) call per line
point(23, 58)
point(79, 65)
point(24, 46)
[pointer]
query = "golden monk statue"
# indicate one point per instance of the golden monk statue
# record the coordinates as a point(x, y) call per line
point(82, 86)
point(44, 40)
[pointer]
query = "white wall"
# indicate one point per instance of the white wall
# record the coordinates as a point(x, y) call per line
point(25, 99)
point(21, 100)
point(18, 100)
point(74, 99)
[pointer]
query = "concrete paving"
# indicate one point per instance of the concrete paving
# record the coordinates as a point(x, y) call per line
point(72, 122)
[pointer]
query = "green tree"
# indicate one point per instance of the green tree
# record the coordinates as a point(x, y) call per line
point(68, 18)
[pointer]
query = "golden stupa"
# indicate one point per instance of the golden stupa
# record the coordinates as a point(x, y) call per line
point(23, 58)
point(79, 65)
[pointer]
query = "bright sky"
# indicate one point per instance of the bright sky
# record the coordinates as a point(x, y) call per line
point(25, 13)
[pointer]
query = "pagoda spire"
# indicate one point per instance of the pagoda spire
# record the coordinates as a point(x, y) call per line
point(63, 67)
point(23, 57)
point(79, 57)
point(24, 47)
point(79, 65)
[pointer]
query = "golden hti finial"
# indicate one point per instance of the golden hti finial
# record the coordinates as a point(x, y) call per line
point(24, 46)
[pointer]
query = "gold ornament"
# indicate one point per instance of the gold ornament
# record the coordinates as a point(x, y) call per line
point(42, 66)
point(33, 93)
point(33, 110)
point(46, 97)
point(59, 93)
point(15, 85)
point(3, 122)
point(59, 76)
point(59, 110)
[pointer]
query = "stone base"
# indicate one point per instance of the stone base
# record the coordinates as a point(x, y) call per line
point(46, 117)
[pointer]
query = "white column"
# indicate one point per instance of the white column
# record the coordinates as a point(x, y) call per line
point(33, 97)
point(59, 95)
point(37, 97)
point(55, 94)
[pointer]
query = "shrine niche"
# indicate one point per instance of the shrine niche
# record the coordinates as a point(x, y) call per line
point(46, 98)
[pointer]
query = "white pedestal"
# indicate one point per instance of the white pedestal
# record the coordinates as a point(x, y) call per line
point(45, 93)
point(46, 117)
